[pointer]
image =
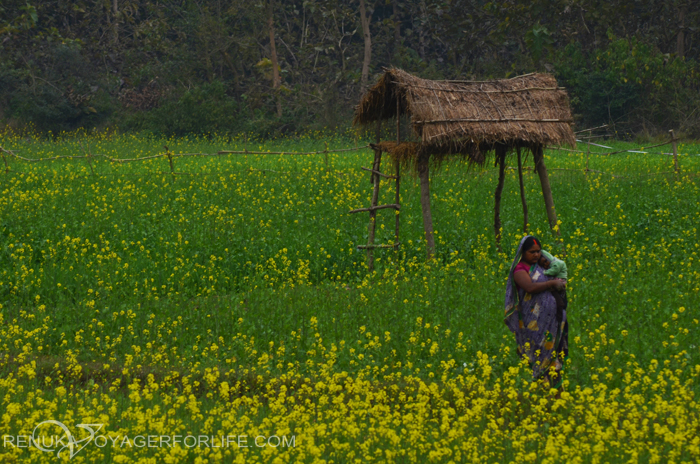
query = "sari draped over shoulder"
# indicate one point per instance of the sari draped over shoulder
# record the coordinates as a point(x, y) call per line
point(540, 333)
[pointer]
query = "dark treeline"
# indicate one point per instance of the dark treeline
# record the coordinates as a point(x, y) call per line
point(271, 66)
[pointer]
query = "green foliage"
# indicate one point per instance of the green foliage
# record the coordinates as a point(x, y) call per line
point(614, 71)
point(539, 41)
point(615, 83)
point(200, 110)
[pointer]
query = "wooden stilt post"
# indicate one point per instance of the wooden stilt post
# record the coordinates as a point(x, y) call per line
point(522, 191)
point(676, 166)
point(378, 138)
point(538, 152)
point(398, 173)
point(424, 177)
point(501, 162)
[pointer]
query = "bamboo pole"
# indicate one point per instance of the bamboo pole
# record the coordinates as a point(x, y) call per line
point(522, 191)
point(441, 121)
point(378, 138)
point(452, 90)
point(398, 173)
point(501, 161)
point(546, 188)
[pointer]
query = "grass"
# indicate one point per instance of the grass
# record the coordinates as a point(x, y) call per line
point(233, 298)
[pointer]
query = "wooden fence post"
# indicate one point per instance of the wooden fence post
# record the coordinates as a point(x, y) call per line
point(170, 160)
point(588, 151)
point(7, 167)
point(676, 166)
point(88, 157)
point(325, 155)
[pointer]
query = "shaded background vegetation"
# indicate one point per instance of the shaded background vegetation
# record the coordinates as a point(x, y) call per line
point(199, 66)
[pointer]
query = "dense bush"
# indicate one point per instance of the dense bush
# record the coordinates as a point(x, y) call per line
point(631, 84)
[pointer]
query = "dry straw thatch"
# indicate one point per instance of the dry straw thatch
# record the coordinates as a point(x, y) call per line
point(471, 117)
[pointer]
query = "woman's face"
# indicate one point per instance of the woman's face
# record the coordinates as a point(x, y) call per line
point(532, 255)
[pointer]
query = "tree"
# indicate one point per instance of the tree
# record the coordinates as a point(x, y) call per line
point(276, 81)
point(365, 20)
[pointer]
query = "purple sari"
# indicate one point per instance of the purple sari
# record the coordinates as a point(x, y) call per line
point(541, 333)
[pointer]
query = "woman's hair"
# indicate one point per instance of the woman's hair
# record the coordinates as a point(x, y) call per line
point(529, 242)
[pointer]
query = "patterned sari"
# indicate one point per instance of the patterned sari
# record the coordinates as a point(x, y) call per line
point(541, 333)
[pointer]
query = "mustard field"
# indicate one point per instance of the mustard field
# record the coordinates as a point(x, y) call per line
point(224, 314)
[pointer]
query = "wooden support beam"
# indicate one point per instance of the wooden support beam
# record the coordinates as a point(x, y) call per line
point(541, 169)
point(374, 208)
point(424, 176)
point(367, 247)
point(501, 162)
point(500, 121)
point(377, 173)
point(522, 191)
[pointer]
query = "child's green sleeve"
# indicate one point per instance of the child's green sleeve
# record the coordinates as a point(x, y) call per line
point(557, 267)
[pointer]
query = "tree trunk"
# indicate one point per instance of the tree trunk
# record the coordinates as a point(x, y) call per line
point(501, 161)
point(680, 44)
point(115, 24)
point(421, 30)
point(397, 30)
point(424, 176)
point(538, 153)
point(276, 81)
point(365, 20)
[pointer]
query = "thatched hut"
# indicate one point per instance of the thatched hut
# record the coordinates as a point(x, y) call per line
point(472, 119)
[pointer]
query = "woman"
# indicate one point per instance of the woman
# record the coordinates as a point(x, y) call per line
point(541, 331)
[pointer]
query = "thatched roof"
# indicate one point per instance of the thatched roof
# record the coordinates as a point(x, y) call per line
point(471, 116)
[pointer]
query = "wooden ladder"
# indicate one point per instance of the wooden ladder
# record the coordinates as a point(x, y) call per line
point(375, 177)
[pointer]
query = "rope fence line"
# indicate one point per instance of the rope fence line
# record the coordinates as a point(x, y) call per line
point(170, 156)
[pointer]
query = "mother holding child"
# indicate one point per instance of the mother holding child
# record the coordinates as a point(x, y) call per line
point(536, 309)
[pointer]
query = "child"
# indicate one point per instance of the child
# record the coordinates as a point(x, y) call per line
point(555, 268)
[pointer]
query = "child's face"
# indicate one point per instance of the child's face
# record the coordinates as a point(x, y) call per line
point(544, 262)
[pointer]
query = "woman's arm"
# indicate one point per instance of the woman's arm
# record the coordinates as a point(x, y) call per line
point(522, 278)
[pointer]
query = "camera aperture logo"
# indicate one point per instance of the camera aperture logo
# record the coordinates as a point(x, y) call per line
point(44, 438)
point(52, 436)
